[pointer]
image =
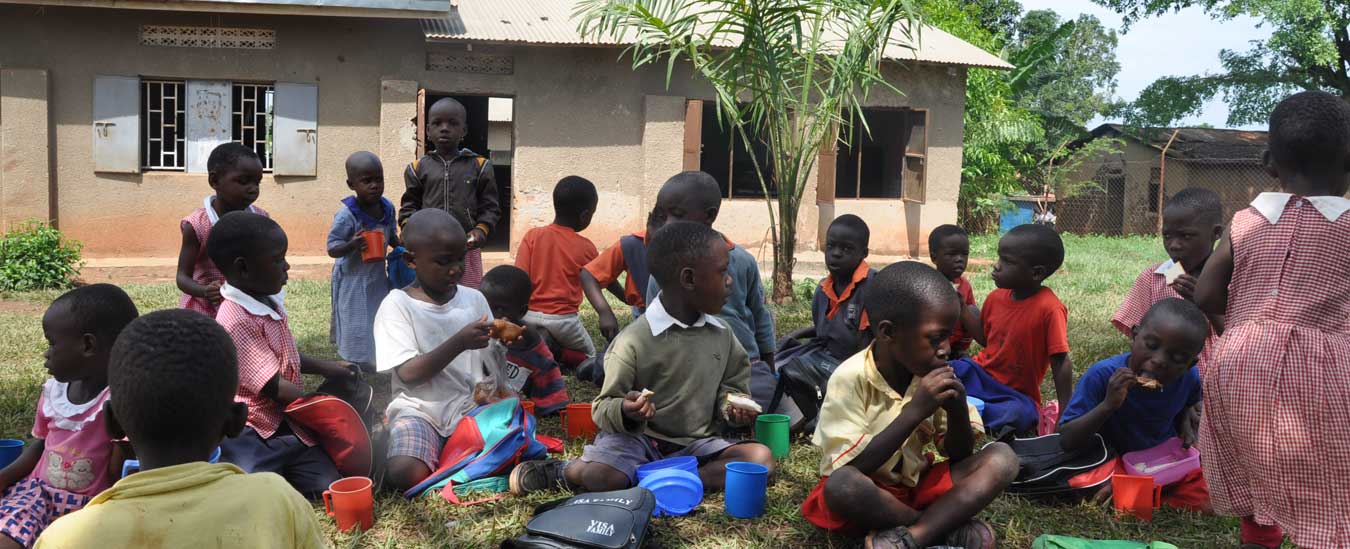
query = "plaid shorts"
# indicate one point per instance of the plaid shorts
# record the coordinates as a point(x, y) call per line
point(31, 505)
point(412, 436)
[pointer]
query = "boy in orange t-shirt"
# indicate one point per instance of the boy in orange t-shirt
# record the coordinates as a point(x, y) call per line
point(554, 255)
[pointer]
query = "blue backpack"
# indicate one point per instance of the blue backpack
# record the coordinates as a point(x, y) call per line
point(488, 442)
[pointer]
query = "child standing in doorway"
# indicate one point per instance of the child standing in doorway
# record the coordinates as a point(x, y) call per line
point(234, 172)
point(358, 285)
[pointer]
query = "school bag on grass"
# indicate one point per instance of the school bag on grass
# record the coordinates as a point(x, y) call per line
point(487, 442)
point(1047, 471)
point(599, 520)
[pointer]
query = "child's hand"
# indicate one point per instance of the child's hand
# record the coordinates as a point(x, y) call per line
point(1188, 429)
point(739, 417)
point(936, 388)
point(638, 407)
point(212, 293)
point(1185, 286)
point(1119, 387)
point(357, 244)
point(609, 325)
point(475, 335)
point(475, 238)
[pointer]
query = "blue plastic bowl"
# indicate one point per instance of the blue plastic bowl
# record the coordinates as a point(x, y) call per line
point(977, 403)
point(683, 463)
point(677, 491)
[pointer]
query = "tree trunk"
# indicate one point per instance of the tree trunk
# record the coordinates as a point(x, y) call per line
point(784, 256)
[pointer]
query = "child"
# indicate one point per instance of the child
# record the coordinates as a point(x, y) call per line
point(530, 368)
point(429, 335)
point(172, 376)
point(359, 286)
point(628, 255)
point(251, 251)
point(72, 457)
point(1109, 400)
point(1281, 275)
point(553, 256)
point(949, 249)
point(1192, 222)
point(884, 407)
point(234, 173)
point(690, 363)
point(434, 181)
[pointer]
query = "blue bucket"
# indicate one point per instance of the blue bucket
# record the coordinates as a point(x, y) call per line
point(10, 450)
point(683, 463)
point(747, 486)
point(677, 491)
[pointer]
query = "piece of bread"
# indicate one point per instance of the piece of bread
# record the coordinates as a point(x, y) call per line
point(1173, 273)
point(1149, 383)
point(744, 402)
point(506, 331)
point(646, 393)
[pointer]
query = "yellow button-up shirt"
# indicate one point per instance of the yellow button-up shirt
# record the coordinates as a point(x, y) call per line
point(859, 404)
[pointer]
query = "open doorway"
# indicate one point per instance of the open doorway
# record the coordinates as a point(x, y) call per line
point(491, 134)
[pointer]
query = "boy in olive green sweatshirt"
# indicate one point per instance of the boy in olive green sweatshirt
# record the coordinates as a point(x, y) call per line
point(669, 379)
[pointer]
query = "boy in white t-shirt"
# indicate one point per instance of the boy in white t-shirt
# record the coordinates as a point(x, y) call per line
point(431, 335)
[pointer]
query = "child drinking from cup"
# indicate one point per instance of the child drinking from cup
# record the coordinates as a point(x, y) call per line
point(234, 172)
point(360, 281)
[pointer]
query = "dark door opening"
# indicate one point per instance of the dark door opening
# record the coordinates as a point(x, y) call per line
point(491, 134)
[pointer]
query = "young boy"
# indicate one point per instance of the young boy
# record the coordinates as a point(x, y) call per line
point(884, 407)
point(949, 249)
point(1192, 222)
point(172, 376)
point(553, 256)
point(430, 335)
point(251, 251)
point(690, 364)
point(529, 366)
point(628, 255)
point(1112, 401)
point(462, 183)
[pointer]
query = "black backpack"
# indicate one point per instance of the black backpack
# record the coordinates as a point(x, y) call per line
point(601, 520)
point(1047, 471)
point(804, 378)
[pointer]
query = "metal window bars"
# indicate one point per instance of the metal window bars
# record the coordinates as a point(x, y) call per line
point(163, 145)
point(251, 124)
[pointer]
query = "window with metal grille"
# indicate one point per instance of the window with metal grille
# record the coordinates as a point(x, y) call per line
point(888, 160)
point(163, 145)
point(252, 119)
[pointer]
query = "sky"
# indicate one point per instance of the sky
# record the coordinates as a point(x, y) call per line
point(1181, 43)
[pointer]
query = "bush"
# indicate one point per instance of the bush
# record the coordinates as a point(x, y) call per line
point(36, 257)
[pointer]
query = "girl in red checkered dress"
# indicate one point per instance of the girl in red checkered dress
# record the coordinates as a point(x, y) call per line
point(234, 172)
point(1274, 441)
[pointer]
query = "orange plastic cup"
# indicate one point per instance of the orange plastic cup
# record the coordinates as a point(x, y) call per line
point(577, 420)
point(1136, 495)
point(374, 245)
point(351, 503)
point(528, 405)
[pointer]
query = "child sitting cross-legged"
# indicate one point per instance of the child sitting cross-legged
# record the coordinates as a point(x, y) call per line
point(529, 366)
point(884, 407)
point(554, 256)
point(1112, 398)
point(172, 376)
point(690, 363)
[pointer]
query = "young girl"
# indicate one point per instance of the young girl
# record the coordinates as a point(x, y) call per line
point(359, 286)
point(234, 172)
point(1274, 445)
point(72, 457)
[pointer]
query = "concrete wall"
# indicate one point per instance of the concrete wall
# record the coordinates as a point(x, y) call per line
point(577, 111)
point(25, 166)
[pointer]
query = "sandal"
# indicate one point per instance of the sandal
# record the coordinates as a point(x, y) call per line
point(892, 538)
point(976, 534)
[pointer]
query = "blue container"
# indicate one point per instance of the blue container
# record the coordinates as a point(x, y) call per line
point(677, 491)
point(1023, 212)
point(747, 486)
point(683, 463)
point(977, 403)
point(10, 450)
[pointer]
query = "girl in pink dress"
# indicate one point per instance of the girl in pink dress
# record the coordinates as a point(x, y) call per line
point(234, 173)
point(1274, 441)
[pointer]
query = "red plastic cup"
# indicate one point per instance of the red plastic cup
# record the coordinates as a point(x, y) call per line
point(1136, 495)
point(351, 503)
point(577, 420)
point(528, 405)
point(374, 245)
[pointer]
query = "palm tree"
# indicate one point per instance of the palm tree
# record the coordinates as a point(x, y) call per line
point(786, 73)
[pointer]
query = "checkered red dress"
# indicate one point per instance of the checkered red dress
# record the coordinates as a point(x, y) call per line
point(204, 271)
point(1275, 439)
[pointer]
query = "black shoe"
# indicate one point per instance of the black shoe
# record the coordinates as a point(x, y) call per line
point(533, 476)
point(591, 370)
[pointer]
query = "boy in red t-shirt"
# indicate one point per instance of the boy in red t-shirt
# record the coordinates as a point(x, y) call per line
point(554, 255)
point(949, 249)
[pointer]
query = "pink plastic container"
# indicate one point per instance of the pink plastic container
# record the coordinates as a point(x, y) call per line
point(1167, 463)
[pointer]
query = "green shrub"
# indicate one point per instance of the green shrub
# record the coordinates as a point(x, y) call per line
point(36, 257)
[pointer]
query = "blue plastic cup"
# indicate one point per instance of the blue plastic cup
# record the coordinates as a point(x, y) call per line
point(10, 450)
point(747, 485)
point(683, 463)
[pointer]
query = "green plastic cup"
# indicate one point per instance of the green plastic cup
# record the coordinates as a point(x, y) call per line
point(772, 431)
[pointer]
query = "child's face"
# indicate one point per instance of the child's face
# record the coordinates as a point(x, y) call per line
point(926, 345)
point(68, 348)
point(1164, 349)
point(367, 183)
point(237, 186)
point(1014, 270)
point(438, 260)
point(673, 205)
point(505, 306)
point(265, 272)
point(708, 281)
point(446, 126)
point(951, 255)
point(1187, 239)
point(844, 250)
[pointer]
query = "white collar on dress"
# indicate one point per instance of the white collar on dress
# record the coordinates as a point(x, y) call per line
point(253, 306)
point(1162, 269)
point(660, 320)
point(1271, 205)
point(211, 212)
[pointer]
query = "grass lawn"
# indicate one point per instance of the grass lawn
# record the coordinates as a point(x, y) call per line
point(1096, 274)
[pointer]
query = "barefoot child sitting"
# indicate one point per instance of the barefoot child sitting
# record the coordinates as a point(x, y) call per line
point(884, 407)
point(949, 249)
point(554, 256)
point(173, 376)
point(358, 285)
point(72, 458)
point(688, 363)
point(1114, 397)
point(234, 172)
point(529, 365)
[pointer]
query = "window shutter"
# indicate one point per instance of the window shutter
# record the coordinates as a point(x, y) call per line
point(693, 133)
point(914, 178)
point(117, 124)
point(296, 129)
point(421, 123)
point(209, 113)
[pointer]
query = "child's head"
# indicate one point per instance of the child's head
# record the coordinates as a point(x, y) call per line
point(1168, 339)
point(80, 328)
point(949, 249)
point(913, 309)
point(250, 250)
point(365, 176)
point(436, 246)
point(507, 289)
point(689, 262)
point(1027, 255)
point(234, 172)
point(689, 196)
point(1310, 142)
point(446, 124)
point(173, 376)
point(574, 201)
point(845, 245)
point(1192, 223)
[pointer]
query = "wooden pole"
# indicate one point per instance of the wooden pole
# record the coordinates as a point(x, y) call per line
point(1162, 176)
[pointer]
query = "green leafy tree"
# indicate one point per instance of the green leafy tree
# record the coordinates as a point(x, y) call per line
point(1066, 70)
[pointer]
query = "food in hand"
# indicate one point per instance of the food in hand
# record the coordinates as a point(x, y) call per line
point(1150, 384)
point(744, 402)
point(506, 331)
point(646, 393)
point(1172, 273)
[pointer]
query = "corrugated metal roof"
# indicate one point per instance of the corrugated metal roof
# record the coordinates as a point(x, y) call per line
point(550, 22)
